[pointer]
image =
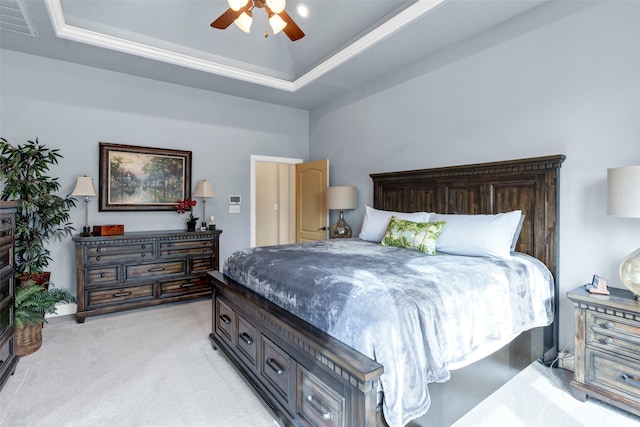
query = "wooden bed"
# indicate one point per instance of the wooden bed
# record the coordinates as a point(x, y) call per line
point(309, 378)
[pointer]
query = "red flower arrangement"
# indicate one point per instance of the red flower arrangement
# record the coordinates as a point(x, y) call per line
point(187, 205)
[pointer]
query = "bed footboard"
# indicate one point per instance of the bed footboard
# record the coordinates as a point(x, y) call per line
point(304, 375)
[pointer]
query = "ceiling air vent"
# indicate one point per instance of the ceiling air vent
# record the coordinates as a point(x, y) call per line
point(14, 17)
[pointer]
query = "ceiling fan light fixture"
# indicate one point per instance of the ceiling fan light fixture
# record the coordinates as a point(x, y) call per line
point(277, 23)
point(244, 21)
point(276, 6)
point(236, 5)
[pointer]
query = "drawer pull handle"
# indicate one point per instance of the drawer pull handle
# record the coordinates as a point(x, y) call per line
point(274, 366)
point(6, 220)
point(155, 269)
point(631, 380)
point(246, 338)
point(608, 325)
point(8, 233)
point(169, 244)
point(225, 319)
point(168, 252)
point(98, 258)
point(121, 294)
point(102, 275)
point(143, 246)
point(187, 285)
point(607, 340)
point(99, 250)
point(317, 406)
point(143, 255)
point(205, 249)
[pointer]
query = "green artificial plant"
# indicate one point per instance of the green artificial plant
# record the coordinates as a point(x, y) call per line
point(33, 301)
point(42, 215)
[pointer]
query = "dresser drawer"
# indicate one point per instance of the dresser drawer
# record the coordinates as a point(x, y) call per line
point(6, 256)
point(6, 318)
point(119, 295)
point(5, 288)
point(200, 265)
point(318, 403)
point(614, 373)
point(613, 333)
point(225, 322)
point(247, 341)
point(188, 247)
point(276, 368)
point(113, 256)
point(154, 269)
point(184, 286)
point(6, 229)
point(98, 276)
point(5, 352)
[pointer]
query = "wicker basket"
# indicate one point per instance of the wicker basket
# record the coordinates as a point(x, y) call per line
point(27, 340)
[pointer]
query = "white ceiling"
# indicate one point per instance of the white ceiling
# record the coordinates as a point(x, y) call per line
point(348, 43)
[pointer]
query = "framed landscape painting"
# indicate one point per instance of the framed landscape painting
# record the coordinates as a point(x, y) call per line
point(142, 178)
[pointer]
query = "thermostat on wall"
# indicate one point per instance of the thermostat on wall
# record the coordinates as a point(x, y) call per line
point(234, 200)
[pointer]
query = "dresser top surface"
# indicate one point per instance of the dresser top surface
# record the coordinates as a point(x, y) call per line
point(621, 298)
point(153, 234)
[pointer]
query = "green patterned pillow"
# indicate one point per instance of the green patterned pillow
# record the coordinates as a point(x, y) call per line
point(420, 236)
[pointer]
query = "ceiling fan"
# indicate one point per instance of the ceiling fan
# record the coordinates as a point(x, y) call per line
point(240, 12)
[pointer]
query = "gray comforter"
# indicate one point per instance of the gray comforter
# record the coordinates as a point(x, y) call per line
point(416, 314)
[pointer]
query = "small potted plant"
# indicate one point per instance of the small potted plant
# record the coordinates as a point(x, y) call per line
point(184, 206)
point(42, 214)
point(32, 302)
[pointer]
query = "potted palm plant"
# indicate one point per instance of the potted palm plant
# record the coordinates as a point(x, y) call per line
point(32, 302)
point(42, 214)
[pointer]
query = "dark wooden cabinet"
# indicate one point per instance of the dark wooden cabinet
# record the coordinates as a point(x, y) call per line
point(142, 269)
point(607, 354)
point(8, 359)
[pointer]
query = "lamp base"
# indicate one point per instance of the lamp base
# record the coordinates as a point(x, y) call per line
point(86, 231)
point(340, 230)
point(630, 273)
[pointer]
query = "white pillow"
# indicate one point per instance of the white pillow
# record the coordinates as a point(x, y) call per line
point(376, 221)
point(478, 235)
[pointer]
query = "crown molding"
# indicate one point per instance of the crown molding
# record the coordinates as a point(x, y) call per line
point(69, 32)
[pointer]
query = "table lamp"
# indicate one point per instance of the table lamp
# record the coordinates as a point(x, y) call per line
point(84, 187)
point(340, 198)
point(204, 190)
point(623, 199)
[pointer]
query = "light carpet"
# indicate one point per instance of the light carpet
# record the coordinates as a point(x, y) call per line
point(156, 367)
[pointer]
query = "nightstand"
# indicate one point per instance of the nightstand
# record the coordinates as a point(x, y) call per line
point(607, 347)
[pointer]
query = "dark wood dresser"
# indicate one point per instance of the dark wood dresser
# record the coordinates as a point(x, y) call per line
point(8, 359)
point(607, 354)
point(142, 269)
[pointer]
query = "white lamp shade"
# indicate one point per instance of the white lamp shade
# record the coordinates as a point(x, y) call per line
point(624, 191)
point(276, 6)
point(84, 187)
point(237, 4)
point(277, 24)
point(244, 22)
point(342, 197)
point(203, 189)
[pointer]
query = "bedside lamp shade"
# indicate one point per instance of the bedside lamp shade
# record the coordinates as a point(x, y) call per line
point(84, 187)
point(623, 199)
point(340, 198)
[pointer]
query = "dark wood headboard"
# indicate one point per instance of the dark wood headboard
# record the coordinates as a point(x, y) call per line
point(530, 185)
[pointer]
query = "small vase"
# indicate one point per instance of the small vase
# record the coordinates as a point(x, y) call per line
point(191, 225)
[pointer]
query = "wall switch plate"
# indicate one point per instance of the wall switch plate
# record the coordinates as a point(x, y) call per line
point(234, 209)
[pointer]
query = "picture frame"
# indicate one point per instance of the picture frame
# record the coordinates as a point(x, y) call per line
point(134, 178)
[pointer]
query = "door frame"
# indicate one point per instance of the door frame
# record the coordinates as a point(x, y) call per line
point(267, 159)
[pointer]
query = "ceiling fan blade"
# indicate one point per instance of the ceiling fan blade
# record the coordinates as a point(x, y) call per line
point(291, 30)
point(226, 18)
